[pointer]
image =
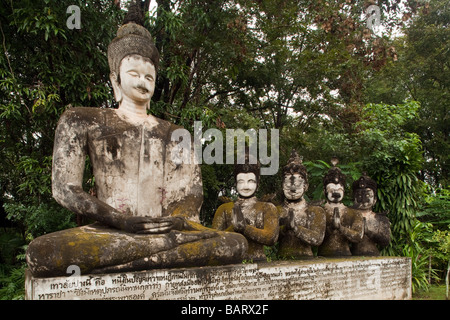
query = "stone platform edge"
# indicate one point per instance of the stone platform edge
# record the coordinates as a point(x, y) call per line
point(353, 278)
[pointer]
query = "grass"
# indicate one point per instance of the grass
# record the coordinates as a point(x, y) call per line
point(436, 292)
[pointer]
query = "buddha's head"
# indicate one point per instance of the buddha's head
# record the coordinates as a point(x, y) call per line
point(133, 60)
point(364, 193)
point(295, 178)
point(136, 79)
point(334, 183)
point(247, 176)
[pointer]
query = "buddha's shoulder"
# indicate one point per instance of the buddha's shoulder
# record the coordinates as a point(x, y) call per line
point(266, 206)
point(315, 209)
point(171, 126)
point(97, 114)
point(353, 211)
point(226, 207)
point(85, 114)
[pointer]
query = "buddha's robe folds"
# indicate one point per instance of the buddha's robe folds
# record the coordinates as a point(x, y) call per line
point(135, 175)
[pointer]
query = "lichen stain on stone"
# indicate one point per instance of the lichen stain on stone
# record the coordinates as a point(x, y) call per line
point(193, 249)
point(187, 208)
point(112, 146)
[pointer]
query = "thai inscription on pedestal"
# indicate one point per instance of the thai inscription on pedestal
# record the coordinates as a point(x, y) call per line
point(350, 278)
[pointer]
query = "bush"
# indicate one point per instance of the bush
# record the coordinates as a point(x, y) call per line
point(40, 219)
point(12, 265)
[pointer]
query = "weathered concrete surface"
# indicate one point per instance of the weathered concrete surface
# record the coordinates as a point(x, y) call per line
point(377, 278)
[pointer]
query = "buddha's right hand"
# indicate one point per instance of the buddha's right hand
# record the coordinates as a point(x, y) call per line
point(238, 219)
point(336, 218)
point(149, 225)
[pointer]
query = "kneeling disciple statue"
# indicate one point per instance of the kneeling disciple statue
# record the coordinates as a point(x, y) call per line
point(345, 226)
point(147, 205)
point(256, 220)
point(377, 227)
point(301, 225)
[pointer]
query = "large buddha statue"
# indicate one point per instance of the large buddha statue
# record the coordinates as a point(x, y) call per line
point(256, 220)
point(302, 226)
point(377, 227)
point(345, 226)
point(147, 205)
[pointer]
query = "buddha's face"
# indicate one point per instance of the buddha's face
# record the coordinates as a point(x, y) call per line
point(365, 198)
point(246, 184)
point(294, 186)
point(334, 192)
point(137, 79)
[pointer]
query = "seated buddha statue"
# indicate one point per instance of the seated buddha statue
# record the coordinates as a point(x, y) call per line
point(146, 208)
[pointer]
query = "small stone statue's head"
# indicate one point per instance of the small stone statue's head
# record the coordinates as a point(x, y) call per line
point(364, 192)
point(295, 178)
point(334, 184)
point(247, 176)
point(133, 60)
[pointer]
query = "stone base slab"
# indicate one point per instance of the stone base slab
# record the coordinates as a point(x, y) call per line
point(357, 278)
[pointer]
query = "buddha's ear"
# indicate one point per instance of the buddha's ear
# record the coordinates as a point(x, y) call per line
point(116, 86)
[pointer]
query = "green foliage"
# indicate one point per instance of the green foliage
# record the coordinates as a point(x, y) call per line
point(435, 208)
point(12, 283)
point(416, 248)
point(11, 243)
point(213, 187)
point(435, 292)
point(40, 219)
point(393, 157)
point(421, 73)
point(12, 265)
point(440, 248)
point(271, 252)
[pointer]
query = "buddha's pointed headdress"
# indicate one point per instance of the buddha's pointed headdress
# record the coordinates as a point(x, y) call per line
point(295, 165)
point(251, 164)
point(364, 182)
point(334, 174)
point(132, 38)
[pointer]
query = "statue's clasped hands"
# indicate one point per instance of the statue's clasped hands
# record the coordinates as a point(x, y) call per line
point(336, 222)
point(151, 225)
point(238, 219)
point(291, 219)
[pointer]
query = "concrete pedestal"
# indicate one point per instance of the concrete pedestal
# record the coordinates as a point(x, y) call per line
point(380, 278)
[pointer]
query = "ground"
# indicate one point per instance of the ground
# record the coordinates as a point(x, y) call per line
point(436, 292)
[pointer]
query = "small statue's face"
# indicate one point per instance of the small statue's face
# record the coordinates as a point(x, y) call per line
point(246, 184)
point(334, 192)
point(365, 198)
point(137, 79)
point(294, 186)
